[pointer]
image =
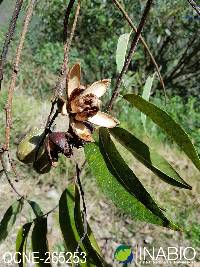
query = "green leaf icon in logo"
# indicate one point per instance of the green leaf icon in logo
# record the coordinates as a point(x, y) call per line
point(123, 254)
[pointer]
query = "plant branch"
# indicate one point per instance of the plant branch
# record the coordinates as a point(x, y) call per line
point(69, 42)
point(9, 36)
point(128, 19)
point(47, 129)
point(195, 6)
point(183, 57)
point(5, 169)
point(62, 80)
point(78, 172)
point(8, 107)
point(130, 53)
point(66, 20)
point(61, 83)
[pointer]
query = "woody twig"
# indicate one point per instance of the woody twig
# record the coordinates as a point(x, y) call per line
point(9, 36)
point(8, 107)
point(130, 53)
point(128, 19)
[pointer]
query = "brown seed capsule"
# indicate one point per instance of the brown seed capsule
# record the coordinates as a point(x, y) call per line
point(59, 141)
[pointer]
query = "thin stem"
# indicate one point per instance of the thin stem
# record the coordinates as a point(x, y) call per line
point(126, 16)
point(2, 155)
point(50, 211)
point(9, 36)
point(78, 171)
point(195, 6)
point(130, 53)
point(63, 73)
point(57, 205)
point(182, 58)
point(69, 42)
point(66, 19)
point(61, 84)
point(8, 107)
point(47, 130)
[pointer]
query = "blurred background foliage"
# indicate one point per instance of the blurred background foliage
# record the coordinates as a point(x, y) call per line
point(171, 33)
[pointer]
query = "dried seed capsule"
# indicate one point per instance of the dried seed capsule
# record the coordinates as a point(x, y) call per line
point(59, 141)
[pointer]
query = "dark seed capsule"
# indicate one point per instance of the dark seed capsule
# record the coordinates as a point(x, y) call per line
point(59, 142)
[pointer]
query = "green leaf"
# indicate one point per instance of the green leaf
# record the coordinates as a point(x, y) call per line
point(113, 187)
point(70, 219)
point(172, 128)
point(21, 243)
point(146, 94)
point(149, 157)
point(39, 241)
point(118, 167)
point(66, 219)
point(36, 208)
point(9, 218)
point(121, 50)
point(89, 241)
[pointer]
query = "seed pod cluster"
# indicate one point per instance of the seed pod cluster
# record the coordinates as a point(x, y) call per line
point(43, 151)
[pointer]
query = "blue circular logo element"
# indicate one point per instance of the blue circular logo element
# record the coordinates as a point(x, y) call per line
point(123, 254)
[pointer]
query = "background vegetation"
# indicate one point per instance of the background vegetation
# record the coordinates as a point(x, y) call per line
point(172, 35)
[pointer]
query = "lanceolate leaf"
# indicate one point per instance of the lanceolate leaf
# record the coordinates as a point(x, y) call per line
point(172, 128)
point(113, 187)
point(21, 243)
point(70, 227)
point(66, 219)
point(36, 208)
point(121, 50)
point(149, 157)
point(89, 241)
point(40, 243)
point(118, 167)
point(9, 218)
point(146, 94)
